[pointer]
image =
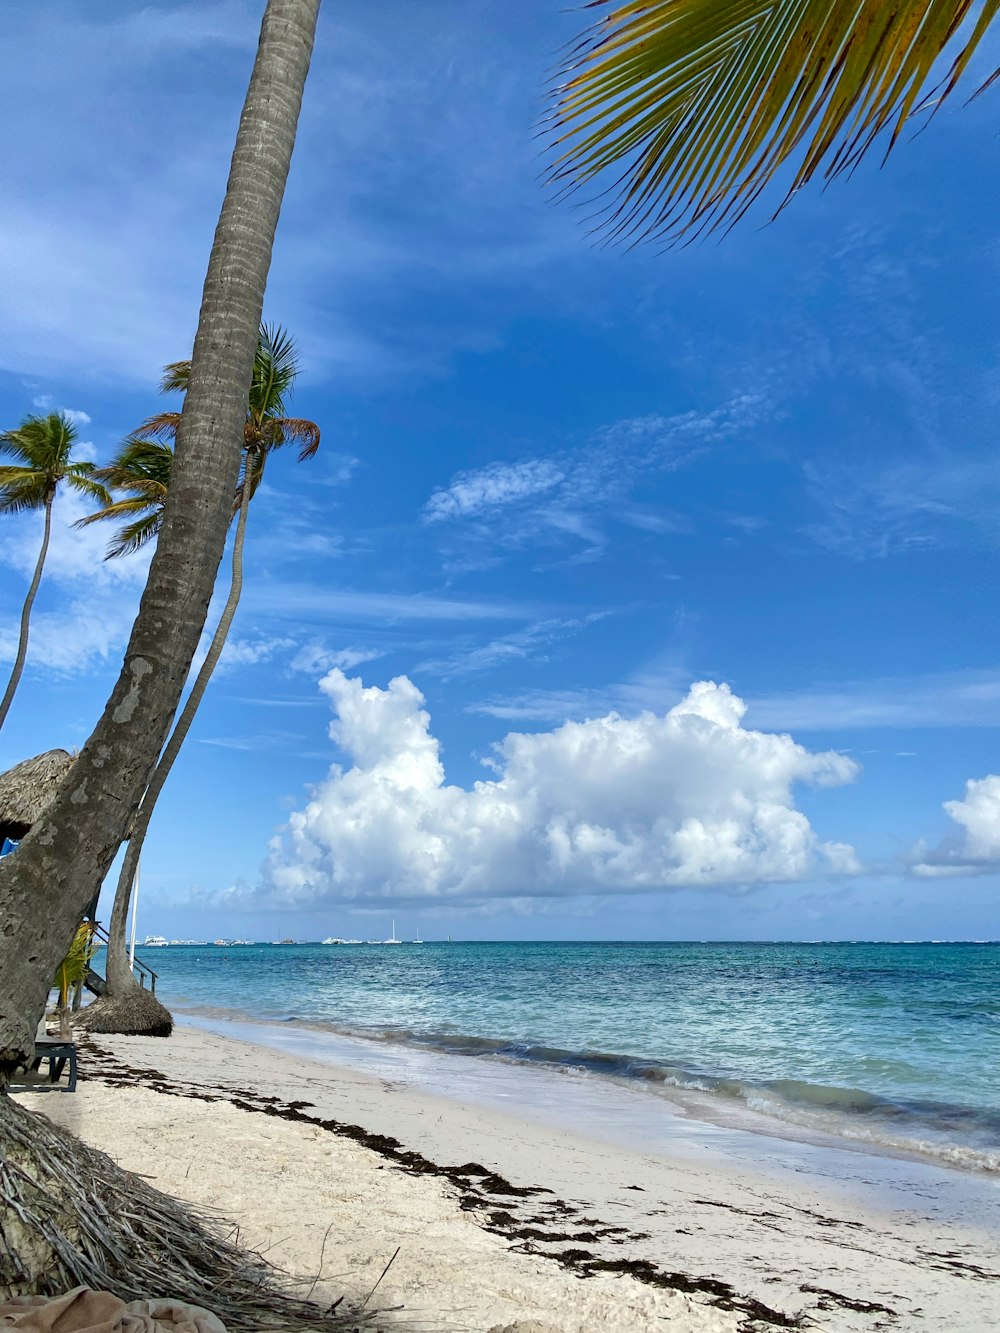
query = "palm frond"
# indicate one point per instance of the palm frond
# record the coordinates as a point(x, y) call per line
point(43, 443)
point(124, 507)
point(22, 489)
point(276, 366)
point(161, 425)
point(133, 536)
point(291, 430)
point(697, 104)
point(80, 477)
point(141, 465)
point(176, 377)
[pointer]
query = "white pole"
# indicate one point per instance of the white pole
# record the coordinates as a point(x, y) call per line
point(135, 908)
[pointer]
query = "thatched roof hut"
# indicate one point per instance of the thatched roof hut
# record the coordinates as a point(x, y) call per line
point(28, 789)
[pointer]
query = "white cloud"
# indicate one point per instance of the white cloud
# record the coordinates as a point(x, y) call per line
point(302, 601)
point(316, 658)
point(492, 487)
point(86, 604)
point(529, 642)
point(945, 699)
point(608, 805)
point(976, 849)
point(574, 492)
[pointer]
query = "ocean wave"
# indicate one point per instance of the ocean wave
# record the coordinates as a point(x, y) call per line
point(951, 1134)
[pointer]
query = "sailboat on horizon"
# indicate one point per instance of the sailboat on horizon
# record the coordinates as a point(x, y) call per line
point(391, 940)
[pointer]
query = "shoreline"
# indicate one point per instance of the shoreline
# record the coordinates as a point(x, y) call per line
point(708, 1228)
point(429, 1065)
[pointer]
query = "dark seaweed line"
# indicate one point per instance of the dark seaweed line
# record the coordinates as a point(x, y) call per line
point(478, 1188)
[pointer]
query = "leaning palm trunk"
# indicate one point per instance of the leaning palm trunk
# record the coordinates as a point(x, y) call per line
point(126, 1007)
point(47, 884)
point(29, 601)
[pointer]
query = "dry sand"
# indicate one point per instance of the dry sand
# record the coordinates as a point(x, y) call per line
point(713, 1247)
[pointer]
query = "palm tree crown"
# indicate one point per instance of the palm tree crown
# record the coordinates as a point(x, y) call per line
point(141, 469)
point(267, 427)
point(697, 104)
point(42, 449)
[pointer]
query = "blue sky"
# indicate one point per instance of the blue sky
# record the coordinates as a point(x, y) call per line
point(556, 483)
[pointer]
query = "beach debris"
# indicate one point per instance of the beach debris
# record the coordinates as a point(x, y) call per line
point(70, 1217)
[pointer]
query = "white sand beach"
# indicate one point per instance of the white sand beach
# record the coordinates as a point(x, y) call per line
point(506, 1221)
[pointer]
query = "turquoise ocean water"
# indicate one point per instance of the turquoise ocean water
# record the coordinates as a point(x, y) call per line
point(893, 1045)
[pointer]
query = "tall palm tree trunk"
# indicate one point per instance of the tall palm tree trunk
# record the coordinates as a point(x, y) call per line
point(46, 885)
point(119, 975)
point(29, 601)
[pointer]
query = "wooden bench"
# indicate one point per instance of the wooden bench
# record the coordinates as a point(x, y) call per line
point(58, 1052)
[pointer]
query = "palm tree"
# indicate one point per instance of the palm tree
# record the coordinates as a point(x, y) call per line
point(126, 1006)
point(698, 104)
point(42, 448)
point(141, 469)
point(46, 886)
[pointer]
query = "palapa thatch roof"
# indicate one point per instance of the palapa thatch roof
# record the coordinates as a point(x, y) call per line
point(28, 789)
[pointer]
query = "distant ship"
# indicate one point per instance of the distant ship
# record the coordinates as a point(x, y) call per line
point(154, 942)
point(392, 940)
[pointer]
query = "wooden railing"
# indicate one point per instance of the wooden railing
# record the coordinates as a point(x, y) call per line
point(143, 972)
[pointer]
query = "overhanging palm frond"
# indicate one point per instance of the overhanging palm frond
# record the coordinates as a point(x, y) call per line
point(176, 377)
point(293, 430)
point(81, 478)
point(161, 425)
point(133, 536)
point(697, 104)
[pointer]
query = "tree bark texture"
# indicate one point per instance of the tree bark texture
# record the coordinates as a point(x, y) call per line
point(29, 601)
point(119, 974)
point(47, 883)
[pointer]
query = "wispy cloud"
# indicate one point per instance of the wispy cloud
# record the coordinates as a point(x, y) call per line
point(315, 604)
point(571, 494)
point(953, 699)
point(531, 642)
point(939, 499)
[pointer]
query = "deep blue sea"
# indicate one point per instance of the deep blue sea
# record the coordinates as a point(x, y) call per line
point(896, 1045)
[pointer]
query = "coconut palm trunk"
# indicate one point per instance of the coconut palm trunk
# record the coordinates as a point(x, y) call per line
point(47, 884)
point(126, 1007)
point(29, 601)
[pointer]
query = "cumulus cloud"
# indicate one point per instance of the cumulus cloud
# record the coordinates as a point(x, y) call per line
point(975, 849)
point(613, 804)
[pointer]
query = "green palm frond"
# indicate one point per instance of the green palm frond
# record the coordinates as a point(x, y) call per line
point(141, 469)
point(22, 489)
point(134, 536)
point(81, 478)
point(41, 443)
point(276, 366)
point(141, 465)
point(697, 104)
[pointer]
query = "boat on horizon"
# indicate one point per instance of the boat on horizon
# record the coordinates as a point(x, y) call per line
point(154, 942)
point(391, 940)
